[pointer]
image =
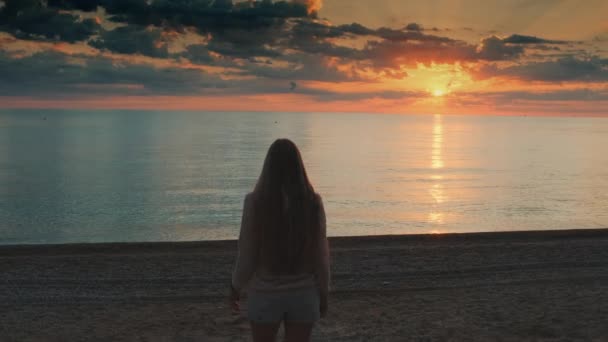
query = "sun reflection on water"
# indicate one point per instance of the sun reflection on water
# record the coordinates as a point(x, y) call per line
point(437, 190)
point(436, 217)
point(436, 155)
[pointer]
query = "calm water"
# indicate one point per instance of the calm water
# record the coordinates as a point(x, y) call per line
point(74, 176)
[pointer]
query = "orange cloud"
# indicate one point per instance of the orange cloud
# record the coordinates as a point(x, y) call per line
point(312, 6)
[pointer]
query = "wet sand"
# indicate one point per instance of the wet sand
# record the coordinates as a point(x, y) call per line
point(518, 286)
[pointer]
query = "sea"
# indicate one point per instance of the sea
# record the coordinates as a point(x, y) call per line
point(71, 176)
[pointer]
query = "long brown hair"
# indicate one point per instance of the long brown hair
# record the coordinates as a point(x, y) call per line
point(286, 211)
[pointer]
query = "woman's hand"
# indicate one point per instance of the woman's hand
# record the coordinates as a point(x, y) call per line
point(323, 305)
point(235, 300)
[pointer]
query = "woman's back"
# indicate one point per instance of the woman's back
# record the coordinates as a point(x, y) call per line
point(288, 231)
point(270, 263)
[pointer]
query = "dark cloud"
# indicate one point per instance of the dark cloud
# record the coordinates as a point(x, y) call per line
point(401, 35)
point(300, 67)
point(315, 30)
point(394, 54)
point(400, 47)
point(198, 53)
point(30, 19)
point(321, 47)
point(252, 40)
point(268, 29)
point(37, 19)
point(82, 5)
point(240, 51)
point(55, 74)
point(206, 15)
point(132, 40)
point(519, 39)
point(411, 47)
point(413, 27)
point(496, 49)
point(543, 47)
point(393, 49)
point(312, 38)
point(59, 75)
point(307, 28)
point(567, 68)
point(356, 29)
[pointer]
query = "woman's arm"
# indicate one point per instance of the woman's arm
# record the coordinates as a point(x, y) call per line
point(322, 256)
point(247, 249)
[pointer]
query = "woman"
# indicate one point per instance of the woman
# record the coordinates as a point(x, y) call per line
point(283, 254)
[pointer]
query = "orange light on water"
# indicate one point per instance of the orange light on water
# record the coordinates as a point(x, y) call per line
point(436, 153)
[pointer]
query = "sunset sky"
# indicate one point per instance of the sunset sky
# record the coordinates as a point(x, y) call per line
point(536, 57)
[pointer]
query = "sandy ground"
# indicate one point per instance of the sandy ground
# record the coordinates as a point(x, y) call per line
point(527, 286)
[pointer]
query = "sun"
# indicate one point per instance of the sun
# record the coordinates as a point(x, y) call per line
point(438, 92)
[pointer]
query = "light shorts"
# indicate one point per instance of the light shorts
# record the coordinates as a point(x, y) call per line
point(296, 305)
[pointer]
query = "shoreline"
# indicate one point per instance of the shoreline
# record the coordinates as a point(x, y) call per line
point(503, 286)
point(447, 237)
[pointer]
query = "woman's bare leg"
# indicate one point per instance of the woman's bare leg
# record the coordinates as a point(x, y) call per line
point(298, 332)
point(264, 332)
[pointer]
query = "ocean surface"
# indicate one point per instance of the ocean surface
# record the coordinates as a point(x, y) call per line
point(99, 176)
